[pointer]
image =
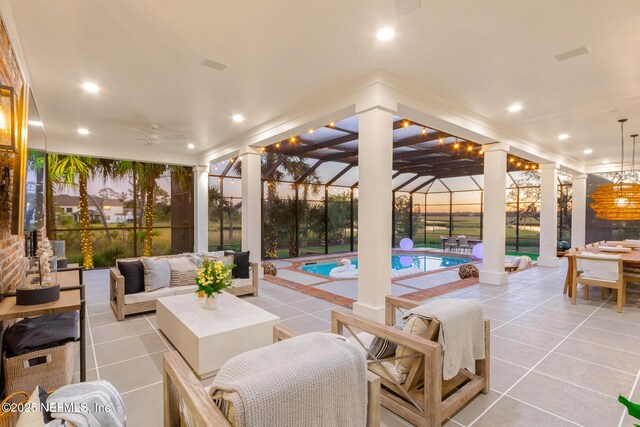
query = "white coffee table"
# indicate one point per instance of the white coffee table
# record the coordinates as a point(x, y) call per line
point(208, 338)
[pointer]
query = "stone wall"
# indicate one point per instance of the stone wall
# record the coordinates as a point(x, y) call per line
point(12, 257)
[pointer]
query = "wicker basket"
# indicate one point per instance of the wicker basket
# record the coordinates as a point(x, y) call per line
point(50, 368)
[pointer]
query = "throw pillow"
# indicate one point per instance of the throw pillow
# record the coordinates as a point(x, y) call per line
point(133, 272)
point(241, 270)
point(157, 273)
point(381, 348)
point(196, 259)
point(183, 271)
point(415, 326)
point(35, 418)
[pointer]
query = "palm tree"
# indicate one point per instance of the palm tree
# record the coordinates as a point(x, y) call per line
point(294, 167)
point(148, 174)
point(64, 171)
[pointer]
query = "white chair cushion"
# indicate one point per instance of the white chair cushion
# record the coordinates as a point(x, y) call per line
point(150, 296)
point(242, 282)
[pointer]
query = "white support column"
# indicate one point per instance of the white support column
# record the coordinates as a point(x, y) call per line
point(548, 215)
point(201, 208)
point(495, 214)
point(578, 210)
point(375, 167)
point(251, 203)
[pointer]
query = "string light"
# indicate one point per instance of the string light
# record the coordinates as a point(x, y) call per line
point(405, 123)
point(511, 160)
point(292, 139)
point(310, 131)
point(456, 146)
point(277, 145)
point(441, 140)
point(526, 167)
point(424, 131)
point(481, 152)
point(331, 124)
point(231, 161)
point(470, 148)
point(519, 164)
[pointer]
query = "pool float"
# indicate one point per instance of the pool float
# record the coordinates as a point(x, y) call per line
point(344, 270)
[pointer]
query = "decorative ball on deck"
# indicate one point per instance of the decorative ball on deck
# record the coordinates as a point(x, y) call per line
point(477, 251)
point(269, 268)
point(406, 244)
point(468, 270)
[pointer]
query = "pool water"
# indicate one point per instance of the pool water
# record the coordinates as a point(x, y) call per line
point(398, 262)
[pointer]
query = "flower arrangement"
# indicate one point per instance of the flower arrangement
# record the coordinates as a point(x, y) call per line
point(213, 278)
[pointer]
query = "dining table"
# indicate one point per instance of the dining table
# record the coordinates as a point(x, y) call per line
point(629, 259)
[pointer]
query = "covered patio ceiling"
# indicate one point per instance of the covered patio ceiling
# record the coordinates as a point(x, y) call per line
point(418, 152)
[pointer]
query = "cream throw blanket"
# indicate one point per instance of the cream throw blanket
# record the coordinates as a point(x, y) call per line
point(315, 379)
point(461, 332)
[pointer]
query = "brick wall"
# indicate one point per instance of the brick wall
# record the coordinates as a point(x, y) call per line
point(12, 259)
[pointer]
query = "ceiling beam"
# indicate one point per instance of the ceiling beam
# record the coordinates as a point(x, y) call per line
point(407, 182)
point(424, 184)
point(274, 167)
point(340, 174)
point(228, 167)
point(309, 171)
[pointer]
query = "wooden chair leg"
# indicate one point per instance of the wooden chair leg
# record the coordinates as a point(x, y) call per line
point(619, 298)
point(567, 280)
point(574, 289)
point(603, 292)
point(586, 292)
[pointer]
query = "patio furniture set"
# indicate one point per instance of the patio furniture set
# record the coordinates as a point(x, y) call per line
point(458, 244)
point(610, 266)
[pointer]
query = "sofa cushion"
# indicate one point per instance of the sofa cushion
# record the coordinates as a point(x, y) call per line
point(133, 273)
point(241, 270)
point(237, 283)
point(181, 290)
point(183, 271)
point(157, 273)
point(149, 296)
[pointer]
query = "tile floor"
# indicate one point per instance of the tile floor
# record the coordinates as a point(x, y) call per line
point(552, 363)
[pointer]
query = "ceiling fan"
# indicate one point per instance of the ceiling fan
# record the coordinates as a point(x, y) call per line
point(155, 138)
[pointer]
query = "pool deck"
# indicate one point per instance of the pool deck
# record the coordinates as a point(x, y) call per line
point(344, 292)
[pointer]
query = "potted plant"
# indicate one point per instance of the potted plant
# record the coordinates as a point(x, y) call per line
point(211, 279)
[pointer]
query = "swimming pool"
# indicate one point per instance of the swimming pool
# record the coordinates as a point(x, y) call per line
point(398, 262)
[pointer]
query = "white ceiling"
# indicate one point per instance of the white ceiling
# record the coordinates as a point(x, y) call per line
point(481, 56)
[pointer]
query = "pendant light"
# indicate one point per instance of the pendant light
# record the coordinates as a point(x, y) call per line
point(619, 201)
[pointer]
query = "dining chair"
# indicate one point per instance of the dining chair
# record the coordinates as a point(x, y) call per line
point(463, 244)
point(451, 243)
point(604, 271)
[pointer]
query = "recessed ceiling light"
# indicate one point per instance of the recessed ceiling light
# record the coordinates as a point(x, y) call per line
point(514, 108)
point(238, 118)
point(563, 136)
point(35, 123)
point(83, 131)
point(605, 162)
point(588, 151)
point(191, 146)
point(90, 87)
point(385, 34)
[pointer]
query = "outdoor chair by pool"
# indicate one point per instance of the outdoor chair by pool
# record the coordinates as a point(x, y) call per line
point(417, 392)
